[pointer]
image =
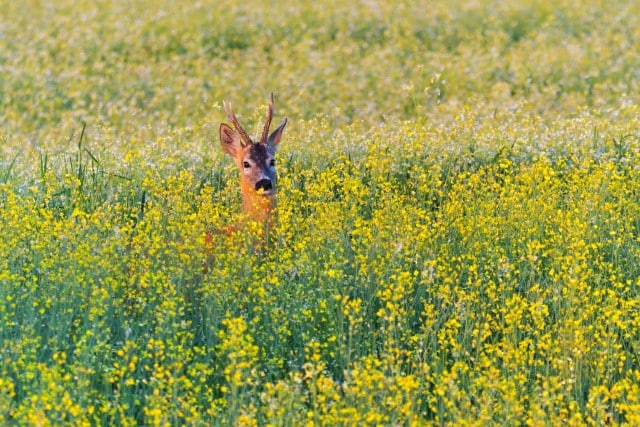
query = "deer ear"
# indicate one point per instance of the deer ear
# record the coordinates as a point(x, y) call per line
point(274, 138)
point(229, 140)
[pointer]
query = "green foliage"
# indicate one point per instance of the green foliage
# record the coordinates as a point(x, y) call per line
point(457, 240)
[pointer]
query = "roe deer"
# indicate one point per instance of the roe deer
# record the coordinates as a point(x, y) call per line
point(256, 163)
point(257, 171)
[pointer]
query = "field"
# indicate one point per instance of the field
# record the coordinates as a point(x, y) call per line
point(458, 234)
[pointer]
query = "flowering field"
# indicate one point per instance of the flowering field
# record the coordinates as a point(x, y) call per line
point(458, 237)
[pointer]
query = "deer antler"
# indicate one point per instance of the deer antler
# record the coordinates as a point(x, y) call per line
point(232, 117)
point(267, 124)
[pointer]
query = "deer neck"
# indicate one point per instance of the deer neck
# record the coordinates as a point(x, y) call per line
point(256, 206)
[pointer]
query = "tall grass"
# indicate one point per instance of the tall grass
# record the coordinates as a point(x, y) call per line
point(457, 238)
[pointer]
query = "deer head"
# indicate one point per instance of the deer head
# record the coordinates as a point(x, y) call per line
point(255, 161)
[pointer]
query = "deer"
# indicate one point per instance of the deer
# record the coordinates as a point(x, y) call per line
point(256, 163)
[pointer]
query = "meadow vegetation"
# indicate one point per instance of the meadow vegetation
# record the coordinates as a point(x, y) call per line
point(458, 238)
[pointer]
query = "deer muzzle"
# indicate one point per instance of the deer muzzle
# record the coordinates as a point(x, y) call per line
point(265, 185)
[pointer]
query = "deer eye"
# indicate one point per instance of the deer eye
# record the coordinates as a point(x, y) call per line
point(246, 165)
point(272, 163)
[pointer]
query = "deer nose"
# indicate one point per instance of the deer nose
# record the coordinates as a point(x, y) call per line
point(264, 184)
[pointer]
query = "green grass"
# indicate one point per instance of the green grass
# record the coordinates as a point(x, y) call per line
point(457, 241)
